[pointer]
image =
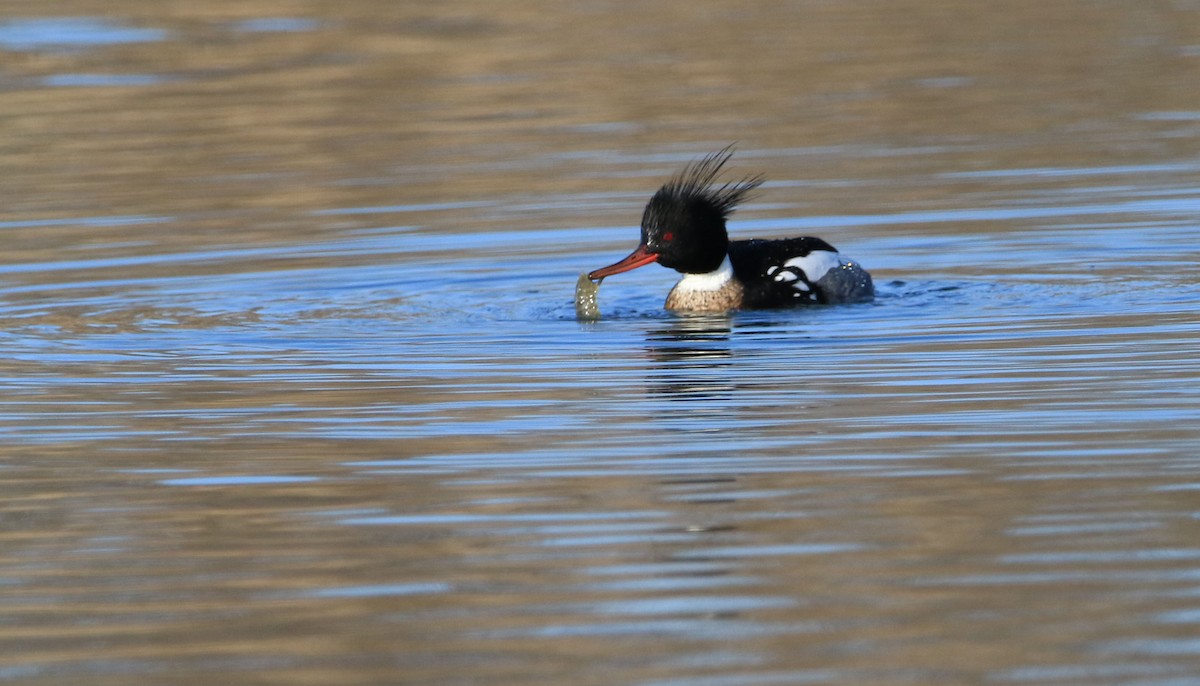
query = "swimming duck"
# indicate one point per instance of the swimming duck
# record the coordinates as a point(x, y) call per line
point(683, 228)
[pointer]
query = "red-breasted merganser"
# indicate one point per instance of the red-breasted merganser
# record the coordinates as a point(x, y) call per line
point(683, 227)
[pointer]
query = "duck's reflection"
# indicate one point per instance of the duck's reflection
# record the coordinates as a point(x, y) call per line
point(691, 356)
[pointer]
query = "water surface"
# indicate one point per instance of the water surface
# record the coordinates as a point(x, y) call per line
point(293, 389)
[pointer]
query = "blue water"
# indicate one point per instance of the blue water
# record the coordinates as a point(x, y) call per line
point(67, 33)
point(401, 431)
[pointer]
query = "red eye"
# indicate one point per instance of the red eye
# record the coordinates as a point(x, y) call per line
point(668, 236)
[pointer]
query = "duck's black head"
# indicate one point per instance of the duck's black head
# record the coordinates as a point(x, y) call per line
point(683, 226)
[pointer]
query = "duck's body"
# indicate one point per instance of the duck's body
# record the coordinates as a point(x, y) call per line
point(762, 274)
point(683, 227)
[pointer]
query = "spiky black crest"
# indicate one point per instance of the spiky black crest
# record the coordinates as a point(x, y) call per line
point(684, 222)
point(695, 183)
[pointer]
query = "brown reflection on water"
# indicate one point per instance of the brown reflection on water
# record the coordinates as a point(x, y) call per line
point(400, 102)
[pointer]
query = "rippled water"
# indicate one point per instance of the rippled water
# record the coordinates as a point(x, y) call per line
point(294, 391)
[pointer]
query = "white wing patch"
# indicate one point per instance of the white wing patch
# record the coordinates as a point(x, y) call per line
point(799, 272)
point(815, 264)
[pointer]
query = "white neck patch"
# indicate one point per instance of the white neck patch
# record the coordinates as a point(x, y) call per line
point(711, 281)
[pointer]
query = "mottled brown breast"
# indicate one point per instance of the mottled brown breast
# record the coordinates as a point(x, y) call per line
point(727, 297)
